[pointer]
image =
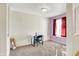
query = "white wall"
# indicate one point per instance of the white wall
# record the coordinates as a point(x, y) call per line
point(75, 38)
point(75, 44)
point(22, 26)
point(7, 30)
point(77, 21)
point(70, 28)
point(3, 29)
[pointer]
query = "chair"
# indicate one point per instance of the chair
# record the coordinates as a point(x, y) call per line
point(38, 39)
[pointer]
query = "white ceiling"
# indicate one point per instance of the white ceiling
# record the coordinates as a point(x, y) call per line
point(53, 9)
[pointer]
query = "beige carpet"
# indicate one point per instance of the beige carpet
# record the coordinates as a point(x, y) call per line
point(46, 50)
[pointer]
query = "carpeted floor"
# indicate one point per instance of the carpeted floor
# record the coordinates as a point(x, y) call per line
point(46, 50)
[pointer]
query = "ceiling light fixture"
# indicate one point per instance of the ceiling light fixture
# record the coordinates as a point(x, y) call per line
point(44, 9)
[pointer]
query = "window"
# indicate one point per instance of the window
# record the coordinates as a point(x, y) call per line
point(59, 27)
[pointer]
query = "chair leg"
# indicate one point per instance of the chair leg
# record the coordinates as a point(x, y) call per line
point(34, 43)
point(42, 42)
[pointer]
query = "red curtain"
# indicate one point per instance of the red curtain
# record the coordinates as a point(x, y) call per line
point(63, 34)
point(54, 27)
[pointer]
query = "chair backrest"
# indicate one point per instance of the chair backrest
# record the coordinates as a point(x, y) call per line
point(40, 36)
